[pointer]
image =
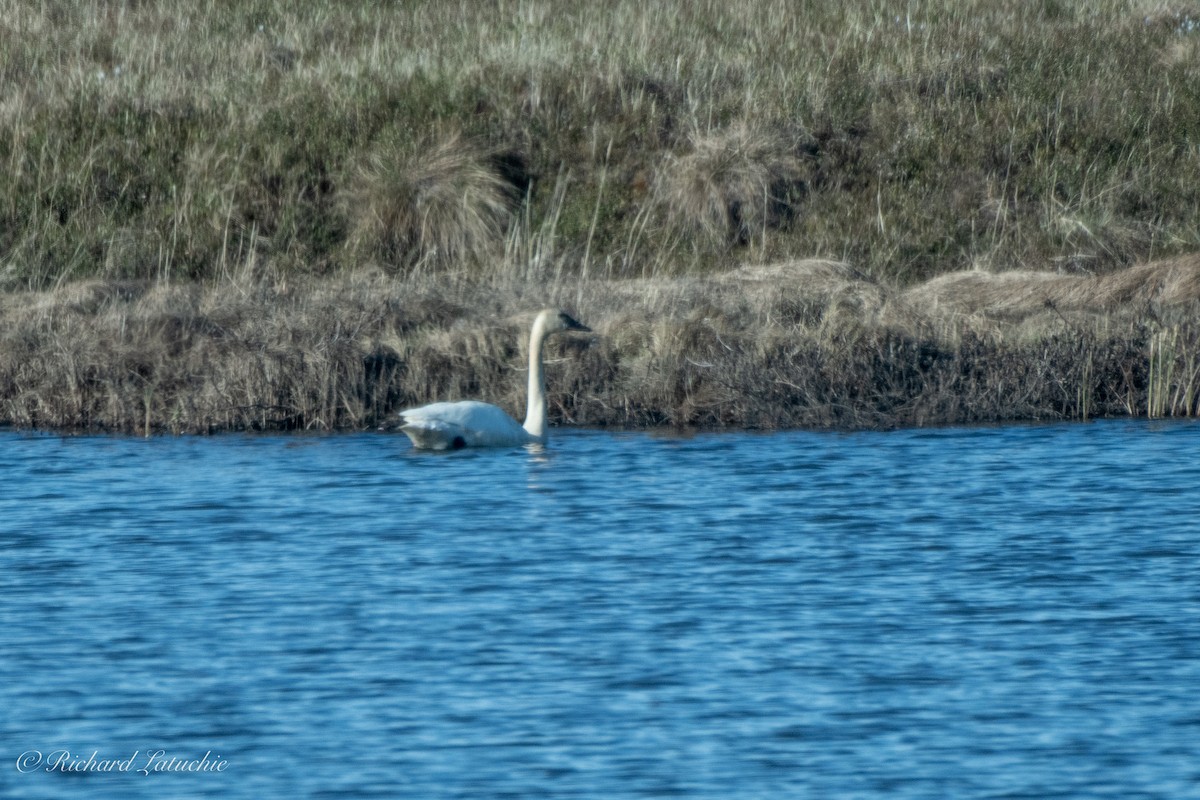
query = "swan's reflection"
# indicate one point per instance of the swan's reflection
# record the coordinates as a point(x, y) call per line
point(540, 460)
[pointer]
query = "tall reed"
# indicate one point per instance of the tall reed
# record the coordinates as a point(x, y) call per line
point(1174, 374)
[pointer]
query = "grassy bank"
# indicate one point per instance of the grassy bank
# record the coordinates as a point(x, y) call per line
point(299, 216)
point(198, 140)
point(799, 343)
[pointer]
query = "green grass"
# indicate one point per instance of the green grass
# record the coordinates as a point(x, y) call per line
point(177, 140)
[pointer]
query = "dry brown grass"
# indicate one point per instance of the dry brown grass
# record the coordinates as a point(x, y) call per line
point(810, 292)
point(732, 186)
point(1019, 294)
point(798, 343)
point(443, 204)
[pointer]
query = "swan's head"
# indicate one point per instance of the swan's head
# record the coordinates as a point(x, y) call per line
point(554, 321)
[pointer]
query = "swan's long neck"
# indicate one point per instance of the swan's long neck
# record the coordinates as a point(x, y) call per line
point(535, 415)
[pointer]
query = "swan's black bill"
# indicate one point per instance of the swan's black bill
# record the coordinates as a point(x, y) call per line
point(573, 324)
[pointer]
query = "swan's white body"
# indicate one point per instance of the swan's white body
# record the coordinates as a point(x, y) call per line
point(449, 426)
point(470, 423)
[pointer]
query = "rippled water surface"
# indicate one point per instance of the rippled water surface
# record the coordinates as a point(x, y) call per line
point(970, 613)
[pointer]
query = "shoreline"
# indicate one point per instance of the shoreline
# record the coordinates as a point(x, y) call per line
point(652, 433)
point(804, 344)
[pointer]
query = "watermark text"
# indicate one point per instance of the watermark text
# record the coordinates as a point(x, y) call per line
point(138, 763)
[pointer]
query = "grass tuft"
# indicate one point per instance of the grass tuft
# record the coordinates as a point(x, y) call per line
point(732, 187)
point(436, 207)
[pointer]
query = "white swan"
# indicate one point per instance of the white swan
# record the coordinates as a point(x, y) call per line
point(470, 423)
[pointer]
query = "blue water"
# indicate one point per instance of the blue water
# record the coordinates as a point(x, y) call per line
point(964, 613)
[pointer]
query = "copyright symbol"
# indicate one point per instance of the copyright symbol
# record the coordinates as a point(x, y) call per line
point(29, 760)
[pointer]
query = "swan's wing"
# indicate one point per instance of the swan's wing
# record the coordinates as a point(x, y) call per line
point(434, 435)
point(450, 426)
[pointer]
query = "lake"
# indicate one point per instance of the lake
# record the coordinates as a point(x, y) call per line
point(1007, 612)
